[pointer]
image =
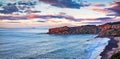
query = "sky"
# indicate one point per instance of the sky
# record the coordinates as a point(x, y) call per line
point(57, 13)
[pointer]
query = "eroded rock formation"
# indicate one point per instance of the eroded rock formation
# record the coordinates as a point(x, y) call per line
point(87, 29)
point(110, 30)
point(105, 30)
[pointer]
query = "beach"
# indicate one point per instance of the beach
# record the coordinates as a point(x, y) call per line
point(112, 48)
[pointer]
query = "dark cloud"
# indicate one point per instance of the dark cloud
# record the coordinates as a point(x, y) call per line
point(19, 6)
point(32, 16)
point(115, 8)
point(4, 17)
point(94, 23)
point(30, 3)
point(9, 8)
point(41, 21)
point(112, 15)
point(12, 18)
point(1, 4)
point(64, 3)
point(104, 18)
point(59, 17)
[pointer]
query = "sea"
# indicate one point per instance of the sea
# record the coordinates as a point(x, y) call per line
point(35, 43)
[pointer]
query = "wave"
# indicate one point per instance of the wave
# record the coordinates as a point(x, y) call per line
point(24, 45)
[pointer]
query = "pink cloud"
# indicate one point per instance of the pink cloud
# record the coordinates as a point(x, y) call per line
point(98, 5)
point(115, 8)
point(101, 10)
point(33, 16)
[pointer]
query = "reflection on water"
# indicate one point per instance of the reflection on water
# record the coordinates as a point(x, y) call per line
point(35, 44)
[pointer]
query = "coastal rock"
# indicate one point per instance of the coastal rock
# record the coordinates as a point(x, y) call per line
point(110, 33)
point(105, 30)
point(87, 29)
point(60, 30)
point(110, 30)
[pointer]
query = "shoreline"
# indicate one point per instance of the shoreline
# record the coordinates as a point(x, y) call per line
point(107, 30)
point(112, 48)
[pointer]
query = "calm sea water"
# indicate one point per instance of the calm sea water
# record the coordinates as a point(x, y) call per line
point(35, 44)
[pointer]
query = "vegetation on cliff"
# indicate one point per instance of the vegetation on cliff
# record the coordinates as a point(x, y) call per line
point(110, 30)
point(87, 29)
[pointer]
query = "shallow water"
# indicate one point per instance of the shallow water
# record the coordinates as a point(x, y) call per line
point(35, 44)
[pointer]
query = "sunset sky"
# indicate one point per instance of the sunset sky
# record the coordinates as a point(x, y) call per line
point(56, 13)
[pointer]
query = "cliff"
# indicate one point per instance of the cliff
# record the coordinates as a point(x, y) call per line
point(87, 29)
point(105, 30)
point(109, 30)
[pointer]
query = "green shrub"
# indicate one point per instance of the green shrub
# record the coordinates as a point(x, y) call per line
point(116, 56)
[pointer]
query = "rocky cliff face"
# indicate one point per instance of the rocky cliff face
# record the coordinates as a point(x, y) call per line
point(105, 30)
point(60, 30)
point(109, 30)
point(88, 29)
